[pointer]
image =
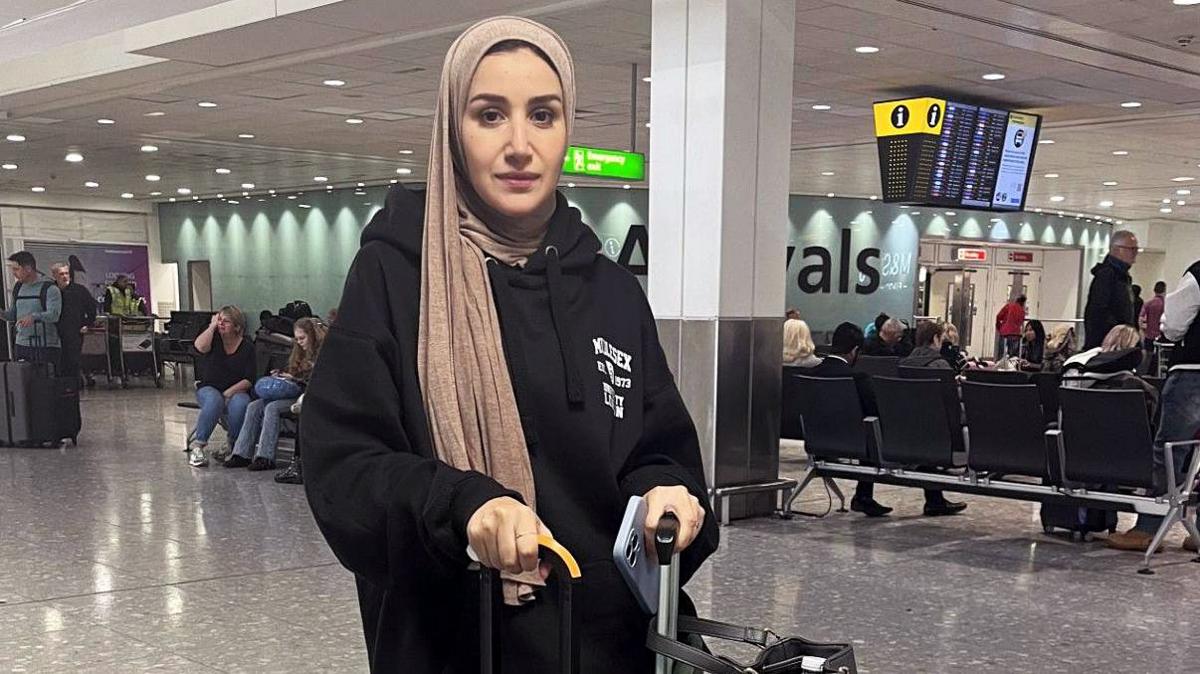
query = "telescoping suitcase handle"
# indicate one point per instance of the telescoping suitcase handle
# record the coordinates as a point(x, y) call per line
point(491, 597)
point(666, 622)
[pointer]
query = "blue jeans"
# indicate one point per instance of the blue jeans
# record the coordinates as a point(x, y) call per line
point(213, 406)
point(1180, 421)
point(265, 416)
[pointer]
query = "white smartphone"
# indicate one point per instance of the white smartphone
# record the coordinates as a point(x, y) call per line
point(633, 559)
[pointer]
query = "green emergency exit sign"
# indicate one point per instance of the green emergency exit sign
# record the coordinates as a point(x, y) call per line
point(600, 163)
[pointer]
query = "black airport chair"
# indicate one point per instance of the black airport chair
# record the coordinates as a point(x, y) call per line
point(1006, 428)
point(997, 376)
point(830, 417)
point(883, 366)
point(920, 422)
point(940, 374)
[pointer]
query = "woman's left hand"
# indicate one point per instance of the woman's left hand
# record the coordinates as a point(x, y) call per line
point(676, 500)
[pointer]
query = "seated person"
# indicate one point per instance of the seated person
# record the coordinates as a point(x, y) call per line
point(928, 350)
point(1113, 365)
point(260, 432)
point(798, 347)
point(871, 329)
point(888, 342)
point(225, 366)
point(847, 342)
point(952, 353)
point(1033, 346)
point(1060, 346)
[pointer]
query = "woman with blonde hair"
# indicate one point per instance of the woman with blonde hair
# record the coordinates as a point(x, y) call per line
point(798, 347)
point(225, 369)
point(491, 378)
point(277, 392)
point(1120, 338)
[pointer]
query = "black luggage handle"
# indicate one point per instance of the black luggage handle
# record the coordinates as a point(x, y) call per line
point(491, 597)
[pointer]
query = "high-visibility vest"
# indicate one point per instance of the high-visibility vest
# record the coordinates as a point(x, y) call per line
point(123, 302)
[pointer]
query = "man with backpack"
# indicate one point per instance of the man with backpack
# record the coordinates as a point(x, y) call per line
point(35, 307)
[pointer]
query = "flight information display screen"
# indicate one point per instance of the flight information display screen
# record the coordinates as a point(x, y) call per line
point(946, 153)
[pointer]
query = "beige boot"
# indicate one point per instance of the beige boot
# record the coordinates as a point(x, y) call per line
point(1133, 540)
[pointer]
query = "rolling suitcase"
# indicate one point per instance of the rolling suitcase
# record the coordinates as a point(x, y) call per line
point(1081, 522)
point(40, 408)
point(566, 571)
point(675, 655)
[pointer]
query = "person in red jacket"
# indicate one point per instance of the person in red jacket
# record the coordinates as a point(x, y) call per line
point(1008, 326)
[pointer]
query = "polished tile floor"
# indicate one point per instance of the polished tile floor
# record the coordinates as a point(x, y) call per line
point(118, 557)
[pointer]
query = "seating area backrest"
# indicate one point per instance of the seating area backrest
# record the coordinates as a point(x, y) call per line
point(1106, 438)
point(832, 416)
point(942, 375)
point(1007, 429)
point(1047, 384)
point(884, 366)
point(997, 376)
point(790, 427)
point(917, 429)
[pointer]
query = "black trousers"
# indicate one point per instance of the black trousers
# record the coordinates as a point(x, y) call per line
point(69, 359)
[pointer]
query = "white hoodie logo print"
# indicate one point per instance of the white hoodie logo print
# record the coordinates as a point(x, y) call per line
point(612, 362)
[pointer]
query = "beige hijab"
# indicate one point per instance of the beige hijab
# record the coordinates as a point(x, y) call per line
point(473, 417)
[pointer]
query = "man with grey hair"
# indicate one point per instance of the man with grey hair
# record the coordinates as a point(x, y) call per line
point(1110, 297)
point(78, 312)
point(889, 341)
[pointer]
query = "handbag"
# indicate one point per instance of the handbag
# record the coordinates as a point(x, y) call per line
point(274, 387)
point(788, 655)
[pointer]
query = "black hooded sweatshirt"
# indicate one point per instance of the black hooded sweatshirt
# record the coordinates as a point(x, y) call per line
point(603, 421)
point(1109, 301)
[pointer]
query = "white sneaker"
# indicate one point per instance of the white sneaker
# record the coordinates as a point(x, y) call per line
point(197, 455)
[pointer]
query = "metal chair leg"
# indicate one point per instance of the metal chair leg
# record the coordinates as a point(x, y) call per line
point(1170, 519)
point(833, 487)
point(809, 474)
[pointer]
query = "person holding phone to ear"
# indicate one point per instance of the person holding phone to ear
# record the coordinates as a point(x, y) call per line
point(492, 376)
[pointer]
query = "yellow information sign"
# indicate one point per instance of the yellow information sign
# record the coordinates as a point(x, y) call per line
point(909, 116)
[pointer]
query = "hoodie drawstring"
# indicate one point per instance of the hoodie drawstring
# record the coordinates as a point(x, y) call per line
point(558, 314)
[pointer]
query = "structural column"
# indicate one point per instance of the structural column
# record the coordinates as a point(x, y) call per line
point(720, 137)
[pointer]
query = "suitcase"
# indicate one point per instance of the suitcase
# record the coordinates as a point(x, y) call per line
point(491, 598)
point(1081, 522)
point(40, 408)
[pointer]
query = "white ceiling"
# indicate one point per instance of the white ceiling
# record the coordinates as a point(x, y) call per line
point(1074, 61)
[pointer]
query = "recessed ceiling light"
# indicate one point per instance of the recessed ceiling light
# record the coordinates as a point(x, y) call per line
point(1106, 204)
point(1131, 104)
point(1046, 141)
point(247, 186)
point(220, 196)
point(354, 120)
point(1181, 202)
point(153, 178)
point(1110, 183)
point(1120, 153)
point(1166, 201)
point(1186, 2)
point(91, 183)
point(1037, 210)
point(222, 171)
point(1181, 179)
point(270, 191)
point(646, 79)
point(1051, 175)
point(361, 185)
point(105, 121)
point(207, 104)
point(827, 173)
point(73, 157)
point(404, 171)
point(156, 113)
point(822, 107)
point(15, 138)
point(831, 195)
point(626, 187)
point(184, 191)
point(867, 49)
point(195, 198)
point(8, 167)
point(37, 188)
point(334, 83)
point(393, 181)
point(127, 195)
point(916, 213)
point(570, 184)
point(329, 188)
point(245, 194)
point(1165, 209)
point(149, 148)
point(993, 77)
point(647, 125)
point(291, 196)
point(874, 197)
point(406, 151)
point(304, 206)
point(321, 179)
point(246, 136)
point(1184, 192)
point(233, 201)
point(951, 213)
point(1120, 222)
point(156, 194)
point(1057, 198)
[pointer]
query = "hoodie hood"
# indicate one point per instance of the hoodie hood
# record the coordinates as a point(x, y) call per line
point(401, 224)
point(1111, 262)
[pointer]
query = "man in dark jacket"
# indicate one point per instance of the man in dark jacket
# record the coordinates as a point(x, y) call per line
point(1110, 297)
point(889, 341)
point(847, 342)
point(928, 352)
point(78, 312)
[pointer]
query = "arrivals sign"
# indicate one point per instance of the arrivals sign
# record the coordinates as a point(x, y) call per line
point(601, 163)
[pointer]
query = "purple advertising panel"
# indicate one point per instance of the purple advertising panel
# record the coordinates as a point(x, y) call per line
point(102, 263)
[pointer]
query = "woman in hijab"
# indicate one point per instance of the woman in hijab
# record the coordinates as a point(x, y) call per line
point(491, 377)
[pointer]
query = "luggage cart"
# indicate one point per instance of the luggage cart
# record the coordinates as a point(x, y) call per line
point(96, 357)
point(138, 355)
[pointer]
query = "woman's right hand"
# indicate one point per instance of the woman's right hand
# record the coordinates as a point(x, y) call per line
point(212, 324)
point(503, 533)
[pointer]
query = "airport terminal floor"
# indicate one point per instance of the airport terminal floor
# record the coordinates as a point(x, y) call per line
point(119, 557)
